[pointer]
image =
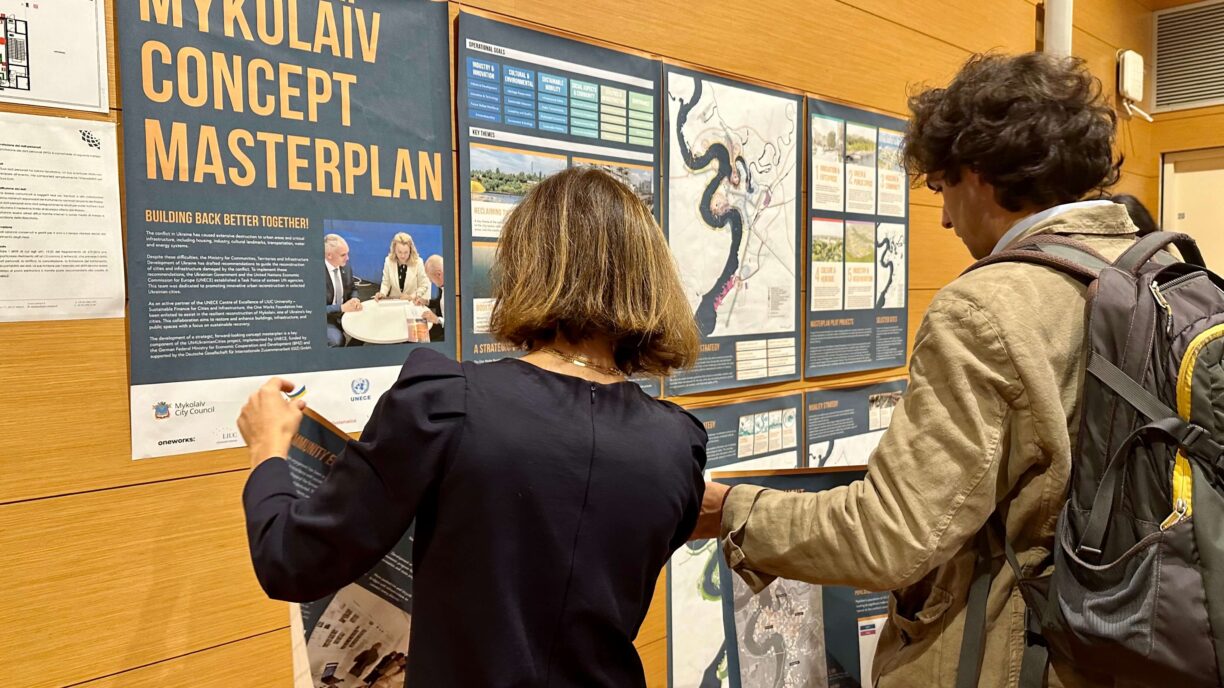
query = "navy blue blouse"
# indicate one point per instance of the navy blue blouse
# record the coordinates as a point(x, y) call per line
point(545, 507)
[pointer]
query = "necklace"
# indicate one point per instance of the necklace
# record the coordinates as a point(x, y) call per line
point(581, 361)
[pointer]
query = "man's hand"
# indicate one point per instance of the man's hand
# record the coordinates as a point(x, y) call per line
point(379, 296)
point(430, 317)
point(709, 522)
point(269, 420)
point(351, 305)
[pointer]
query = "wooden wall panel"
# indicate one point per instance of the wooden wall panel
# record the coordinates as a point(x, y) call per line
point(71, 384)
point(1006, 25)
point(1134, 133)
point(100, 582)
point(654, 661)
point(654, 627)
point(1189, 130)
point(937, 255)
point(263, 661)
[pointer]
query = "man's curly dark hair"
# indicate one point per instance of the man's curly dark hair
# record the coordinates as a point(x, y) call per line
point(1036, 127)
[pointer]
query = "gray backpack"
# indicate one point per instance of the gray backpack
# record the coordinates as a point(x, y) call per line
point(1137, 588)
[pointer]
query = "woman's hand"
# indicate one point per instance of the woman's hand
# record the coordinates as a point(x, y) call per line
point(379, 296)
point(709, 522)
point(268, 420)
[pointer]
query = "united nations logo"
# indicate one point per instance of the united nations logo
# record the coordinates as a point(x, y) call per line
point(360, 386)
point(161, 410)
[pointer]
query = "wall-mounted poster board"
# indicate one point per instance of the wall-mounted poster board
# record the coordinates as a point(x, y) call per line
point(531, 104)
point(270, 168)
point(759, 434)
point(734, 171)
point(844, 426)
point(858, 241)
point(794, 633)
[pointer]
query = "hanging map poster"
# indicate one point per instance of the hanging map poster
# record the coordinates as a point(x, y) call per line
point(749, 435)
point(796, 634)
point(734, 177)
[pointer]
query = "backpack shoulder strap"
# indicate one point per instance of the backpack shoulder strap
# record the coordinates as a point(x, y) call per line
point(1143, 250)
point(1068, 256)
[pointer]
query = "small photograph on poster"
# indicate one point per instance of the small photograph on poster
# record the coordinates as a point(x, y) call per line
point(828, 137)
point(860, 169)
point(499, 179)
point(860, 265)
point(828, 264)
point(357, 641)
point(377, 290)
point(880, 408)
point(890, 266)
point(483, 255)
point(892, 174)
point(639, 178)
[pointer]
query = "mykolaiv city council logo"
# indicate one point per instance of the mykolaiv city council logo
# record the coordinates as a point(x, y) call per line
point(161, 410)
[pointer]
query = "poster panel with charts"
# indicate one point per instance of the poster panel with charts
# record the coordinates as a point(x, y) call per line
point(531, 104)
point(858, 241)
point(267, 224)
point(792, 633)
point(747, 435)
point(357, 636)
point(845, 425)
point(61, 241)
point(733, 163)
point(53, 54)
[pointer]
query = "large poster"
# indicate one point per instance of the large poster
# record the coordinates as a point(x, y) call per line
point(858, 241)
point(844, 426)
point(792, 633)
point(734, 171)
point(531, 104)
point(358, 636)
point(750, 435)
point(289, 206)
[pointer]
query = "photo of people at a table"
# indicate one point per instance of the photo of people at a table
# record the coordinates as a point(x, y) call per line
point(384, 284)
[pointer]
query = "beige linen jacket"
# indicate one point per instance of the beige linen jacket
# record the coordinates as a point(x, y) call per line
point(988, 422)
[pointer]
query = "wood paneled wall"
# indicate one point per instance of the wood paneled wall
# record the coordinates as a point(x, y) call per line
point(122, 573)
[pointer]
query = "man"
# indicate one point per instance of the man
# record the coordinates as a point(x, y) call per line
point(436, 316)
point(989, 420)
point(341, 290)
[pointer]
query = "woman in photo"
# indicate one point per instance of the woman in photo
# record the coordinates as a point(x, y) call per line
point(404, 272)
point(548, 491)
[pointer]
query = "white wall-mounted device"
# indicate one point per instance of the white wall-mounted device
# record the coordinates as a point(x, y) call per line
point(1130, 81)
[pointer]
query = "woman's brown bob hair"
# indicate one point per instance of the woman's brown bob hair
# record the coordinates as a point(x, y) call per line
point(580, 257)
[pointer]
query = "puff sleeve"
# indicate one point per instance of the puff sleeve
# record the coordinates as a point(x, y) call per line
point(305, 548)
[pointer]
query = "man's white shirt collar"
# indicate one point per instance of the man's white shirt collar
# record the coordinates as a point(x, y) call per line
point(1027, 223)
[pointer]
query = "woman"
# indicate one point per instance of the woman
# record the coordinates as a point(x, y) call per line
point(404, 272)
point(548, 491)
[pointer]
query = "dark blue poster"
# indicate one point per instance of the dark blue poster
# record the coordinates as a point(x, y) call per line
point(734, 169)
point(794, 633)
point(845, 425)
point(289, 205)
point(858, 241)
point(531, 104)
